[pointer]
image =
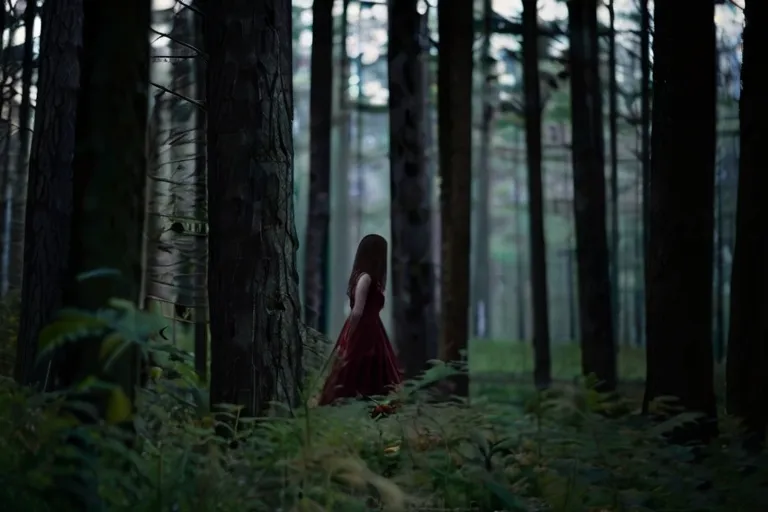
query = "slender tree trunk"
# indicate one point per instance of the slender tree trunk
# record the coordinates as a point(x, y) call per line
point(201, 210)
point(747, 361)
point(252, 279)
point(645, 117)
point(183, 152)
point(482, 260)
point(413, 274)
point(321, 112)
point(430, 162)
point(49, 193)
point(340, 246)
point(572, 300)
point(19, 196)
point(522, 287)
point(454, 80)
point(719, 264)
point(598, 351)
point(542, 372)
point(613, 95)
point(8, 74)
point(2, 24)
point(679, 259)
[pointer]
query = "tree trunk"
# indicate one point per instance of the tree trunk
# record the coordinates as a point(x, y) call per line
point(413, 287)
point(645, 114)
point(321, 112)
point(454, 81)
point(109, 174)
point(613, 95)
point(201, 210)
point(256, 349)
point(542, 372)
point(598, 352)
point(49, 192)
point(19, 195)
point(747, 361)
point(339, 230)
point(480, 274)
point(679, 260)
point(182, 232)
point(522, 286)
point(8, 74)
point(430, 151)
point(645, 145)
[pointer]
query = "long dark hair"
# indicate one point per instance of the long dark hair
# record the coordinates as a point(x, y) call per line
point(371, 259)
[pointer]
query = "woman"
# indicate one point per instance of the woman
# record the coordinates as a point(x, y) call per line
point(365, 364)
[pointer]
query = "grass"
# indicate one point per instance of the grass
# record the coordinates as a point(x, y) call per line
point(503, 357)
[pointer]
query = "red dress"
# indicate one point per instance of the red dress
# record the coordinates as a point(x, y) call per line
point(365, 364)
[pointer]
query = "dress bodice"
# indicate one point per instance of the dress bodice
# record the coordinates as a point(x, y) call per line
point(374, 303)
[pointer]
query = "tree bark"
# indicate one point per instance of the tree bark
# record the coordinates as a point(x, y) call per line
point(183, 233)
point(542, 372)
point(49, 192)
point(109, 176)
point(679, 259)
point(410, 215)
point(19, 195)
point(747, 361)
point(321, 112)
point(613, 95)
point(598, 352)
point(645, 141)
point(201, 207)
point(480, 274)
point(256, 349)
point(454, 82)
point(339, 231)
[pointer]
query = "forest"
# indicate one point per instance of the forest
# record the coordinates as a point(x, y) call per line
point(574, 277)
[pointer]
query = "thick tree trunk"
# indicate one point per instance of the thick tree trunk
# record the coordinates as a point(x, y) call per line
point(542, 363)
point(747, 361)
point(598, 352)
point(109, 174)
point(49, 192)
point(679, 260)
point(321, 112)
point(412, 269)
point(256, 349)
point(454, 86)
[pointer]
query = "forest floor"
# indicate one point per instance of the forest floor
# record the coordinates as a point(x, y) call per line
point(509, 449)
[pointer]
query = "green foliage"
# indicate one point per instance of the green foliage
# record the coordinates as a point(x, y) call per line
point(9, 330)
point(555, 452)
point(569, 449)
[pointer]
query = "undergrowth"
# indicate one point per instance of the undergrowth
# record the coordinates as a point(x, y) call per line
point(569, 450)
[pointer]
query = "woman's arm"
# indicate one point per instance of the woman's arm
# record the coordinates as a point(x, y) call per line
point(361, 295)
